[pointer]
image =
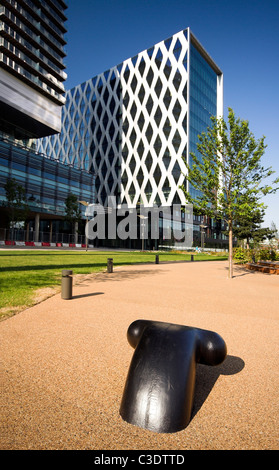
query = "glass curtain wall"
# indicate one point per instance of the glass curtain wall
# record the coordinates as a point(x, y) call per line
point(47, 182)
point(203, 101)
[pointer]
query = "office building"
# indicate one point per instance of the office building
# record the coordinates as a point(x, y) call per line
point(32, 75)
point(32, 69)
point(133, 124)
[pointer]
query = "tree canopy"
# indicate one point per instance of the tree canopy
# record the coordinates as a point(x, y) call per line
point(72, 210)
point(16, 201)
point(250, 228)
point(228, 174)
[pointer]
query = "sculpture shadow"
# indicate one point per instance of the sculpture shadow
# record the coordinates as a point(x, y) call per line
point(207, 376)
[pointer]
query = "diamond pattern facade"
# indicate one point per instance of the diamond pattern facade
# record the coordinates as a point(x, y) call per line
point(130, 126)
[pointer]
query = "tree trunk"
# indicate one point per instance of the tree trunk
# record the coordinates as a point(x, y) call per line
point(230, 251)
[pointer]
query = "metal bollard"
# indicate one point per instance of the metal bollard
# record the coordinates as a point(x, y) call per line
point(66, 284)
point(110, 265)
point(192, 257)
point(157, 259)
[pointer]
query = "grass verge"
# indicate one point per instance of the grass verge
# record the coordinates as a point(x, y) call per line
point(27, 277)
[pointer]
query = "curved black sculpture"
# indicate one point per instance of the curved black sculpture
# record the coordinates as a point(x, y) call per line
point(159, 389)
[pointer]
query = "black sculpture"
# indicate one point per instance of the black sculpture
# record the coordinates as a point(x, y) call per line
point(159, 389)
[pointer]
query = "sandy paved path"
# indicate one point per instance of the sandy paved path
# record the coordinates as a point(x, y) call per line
point(65, 363)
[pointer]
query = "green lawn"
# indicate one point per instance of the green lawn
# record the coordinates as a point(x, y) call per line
point(23, 272)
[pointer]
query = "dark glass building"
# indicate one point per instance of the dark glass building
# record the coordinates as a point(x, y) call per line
point(32, 69)
point(47, 184)
point(32, 95)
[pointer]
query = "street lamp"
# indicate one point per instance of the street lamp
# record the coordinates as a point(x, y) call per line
point(143, 228)
point(85, 203)
point(98, 207)
point(202, 235)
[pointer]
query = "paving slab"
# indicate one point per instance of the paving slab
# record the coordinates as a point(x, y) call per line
point(65, 362)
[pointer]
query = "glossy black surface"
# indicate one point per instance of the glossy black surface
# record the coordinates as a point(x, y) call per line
point(159, 389)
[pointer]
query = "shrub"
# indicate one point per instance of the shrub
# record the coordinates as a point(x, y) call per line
point(242, 255)
point(266, 254)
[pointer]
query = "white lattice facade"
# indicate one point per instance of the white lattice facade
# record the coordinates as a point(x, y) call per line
point(132, 124)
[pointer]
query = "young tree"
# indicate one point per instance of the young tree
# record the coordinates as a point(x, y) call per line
point(251, 229)
point(72, 210)
point(16, 202)
point(228, 173)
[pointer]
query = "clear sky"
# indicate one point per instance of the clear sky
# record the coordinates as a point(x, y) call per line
point(242, 36)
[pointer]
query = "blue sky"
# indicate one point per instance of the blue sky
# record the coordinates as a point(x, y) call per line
point(241, 36)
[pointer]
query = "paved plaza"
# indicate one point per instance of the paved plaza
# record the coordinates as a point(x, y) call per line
point(65, 362)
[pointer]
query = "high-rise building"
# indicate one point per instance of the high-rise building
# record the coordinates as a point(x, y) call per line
point(134, 124)
point(32, 72)
point(32, 69)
